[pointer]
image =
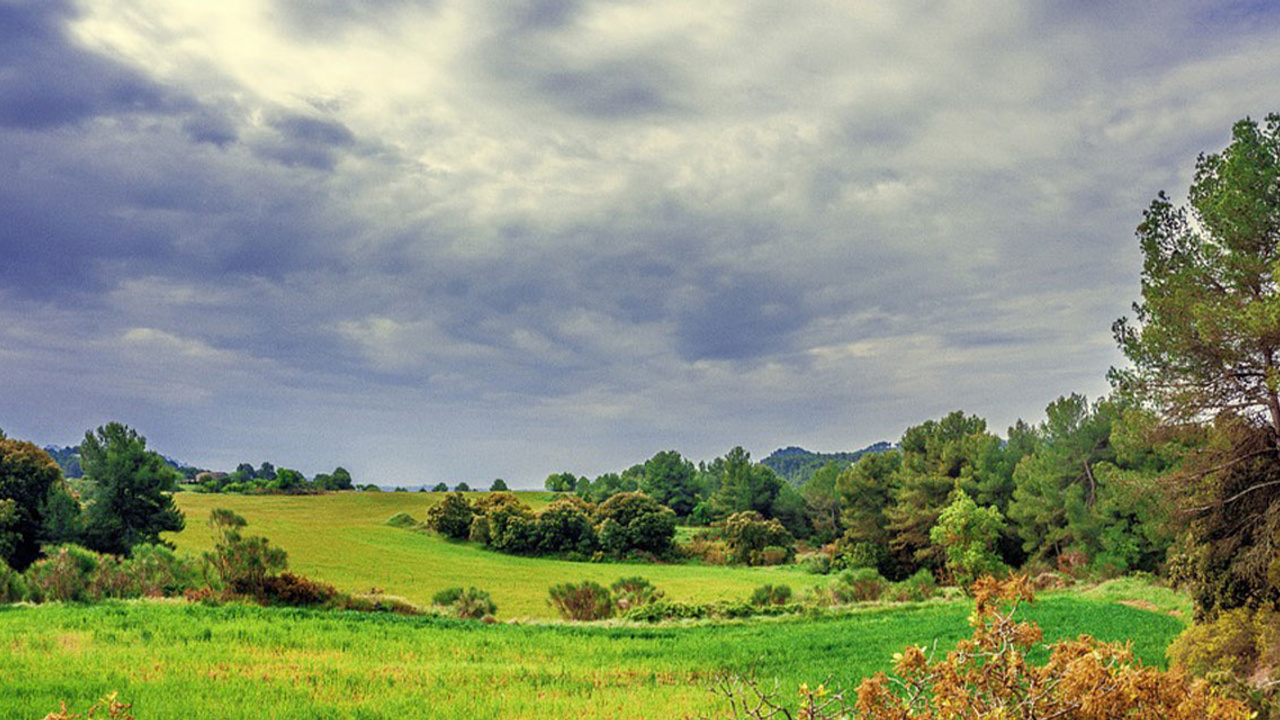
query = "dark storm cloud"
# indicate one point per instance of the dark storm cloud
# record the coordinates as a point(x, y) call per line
point(46, 81)
point(627, 226)
point(534, 51)
point(740, 317)
point(211, 126)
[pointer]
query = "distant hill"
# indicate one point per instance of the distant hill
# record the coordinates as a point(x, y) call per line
point(68, 458)
point(796, 465)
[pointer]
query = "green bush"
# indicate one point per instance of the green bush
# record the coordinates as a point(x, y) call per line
point(771, 595)
point(858, 585)
point(818, 563)
point(110, 580)
point(633, 592)
point(469, 604)
point(241, 564)
point(755, 541)
point(565, 526)
point(63, 575)
point(403, 520)
point(12, 587)
point(157, 571)
point(451, 516)
point(584, 601)
point(631, 521)
point(920, 586)
point(660, 610)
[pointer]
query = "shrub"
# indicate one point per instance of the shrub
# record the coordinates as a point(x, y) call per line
point(920, 586)
point(632, 592)
point(816, 563)
point(771, 595)
point(660, 610)
point(565, 526)
point(241, 564)
point(584, 601)
point(989, 676)
point(295, 591)
point(110, 579)
point(479, 532)
point(748, 534)
point(451, 516)
point(642, 523)
point(157, 571)
point(773, 555)
point(403, 520)
point(63, 575)
point(469, 604)
point(858, 585)
point(1241, 650)
point(12, 587)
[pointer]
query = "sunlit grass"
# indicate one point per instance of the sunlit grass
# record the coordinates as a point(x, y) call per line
point(173, 660)
point(342, 538)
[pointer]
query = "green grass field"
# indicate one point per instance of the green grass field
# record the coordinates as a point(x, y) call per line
point(173, 660)
point(342, 538)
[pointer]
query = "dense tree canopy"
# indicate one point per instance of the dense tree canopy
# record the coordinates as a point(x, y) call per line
point(130, 503)
point(27, 476)
point(1206, 335)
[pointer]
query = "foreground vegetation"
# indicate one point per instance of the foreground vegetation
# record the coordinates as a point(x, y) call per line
point(190, 661)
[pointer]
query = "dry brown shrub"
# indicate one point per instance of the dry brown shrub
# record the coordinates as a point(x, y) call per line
point(988, 676)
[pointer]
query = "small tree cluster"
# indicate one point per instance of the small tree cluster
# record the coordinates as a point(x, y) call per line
point(626, 523)
point(752, 540)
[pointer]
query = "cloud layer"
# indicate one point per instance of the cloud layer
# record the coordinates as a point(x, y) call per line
point(463, 240)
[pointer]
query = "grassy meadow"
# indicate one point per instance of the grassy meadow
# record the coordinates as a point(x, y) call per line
point(342, 538)
point(174, 660)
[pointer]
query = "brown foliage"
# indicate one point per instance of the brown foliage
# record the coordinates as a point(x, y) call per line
point(988, 676)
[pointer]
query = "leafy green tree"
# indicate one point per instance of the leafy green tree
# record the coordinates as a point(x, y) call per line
point(440, 487)
point(938, 457)
point(562, 482)
point(671, 480)
point(288, 480)
point(743, 485)
point(565, 526)
point(499, 485)
point(267, 471)
point(1057, 486)
point(451, 516)
point(462, 487)
point(867, 490)
point(1205, 343)
point(27, 475)
point(61, 516)
point(342, 479)
point(129, 503)
point(968, 535)
point(822, 501)
point(747, 534)
point(638, 521)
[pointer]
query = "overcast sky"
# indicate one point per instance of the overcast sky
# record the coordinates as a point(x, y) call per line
point(466, 239)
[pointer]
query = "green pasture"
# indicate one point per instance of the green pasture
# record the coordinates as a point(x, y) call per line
point(342, 538)
point(174, 660)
